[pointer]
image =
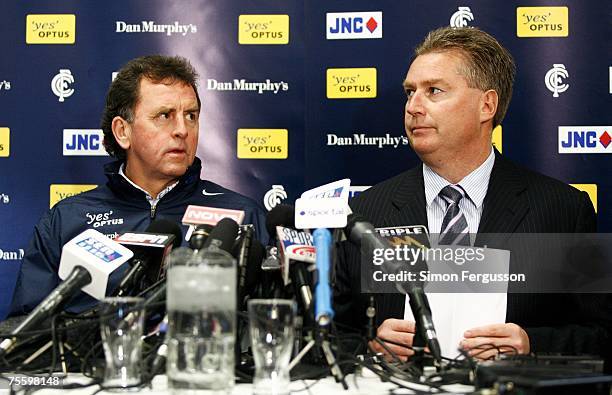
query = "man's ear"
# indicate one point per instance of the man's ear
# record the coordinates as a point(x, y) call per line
point(488, 105)
point(122, 131)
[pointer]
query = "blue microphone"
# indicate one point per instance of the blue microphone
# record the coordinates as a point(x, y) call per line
point(322, 241)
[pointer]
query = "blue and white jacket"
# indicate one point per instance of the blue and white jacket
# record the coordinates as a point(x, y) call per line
point(112, 209)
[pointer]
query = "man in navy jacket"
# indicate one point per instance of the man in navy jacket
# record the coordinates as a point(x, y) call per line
point(150, 124)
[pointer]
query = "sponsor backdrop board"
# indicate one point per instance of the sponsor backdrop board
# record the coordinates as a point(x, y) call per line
point(295, 94)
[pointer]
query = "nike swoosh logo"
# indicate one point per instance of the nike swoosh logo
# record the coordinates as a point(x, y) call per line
point(211, 193)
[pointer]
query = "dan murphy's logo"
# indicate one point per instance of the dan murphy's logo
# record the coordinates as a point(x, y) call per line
point(50, 29)
point(361, 139)
point(263, 29)
point(351, 83)
point(247, 86)
point(542, 22)
point(554, 79)
point(353, 25)
point(153, 27)
point(461, 17)
point(263, 144)
point(585, 139)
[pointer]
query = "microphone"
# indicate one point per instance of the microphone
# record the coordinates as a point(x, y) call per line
point(86, 263)
point(281, 215)
point(201, 215)
point(222, 236)
point(250, 255)
point(301, 283)
point(357, 229)
point(199, 236)
point(323, 307)
point(150, 250)
point(297, 252)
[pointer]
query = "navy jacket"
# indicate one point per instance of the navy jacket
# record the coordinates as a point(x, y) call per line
point(112, 209)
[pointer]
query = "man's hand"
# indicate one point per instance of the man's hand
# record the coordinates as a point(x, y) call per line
point(487, 341)
point(397, 331)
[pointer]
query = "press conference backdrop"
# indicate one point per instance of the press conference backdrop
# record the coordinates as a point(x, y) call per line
point(294, 93)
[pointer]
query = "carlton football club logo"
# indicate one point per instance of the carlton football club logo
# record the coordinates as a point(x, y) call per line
point(461, 17)
point(60, 85)
point(274, 196)
point(554, 79)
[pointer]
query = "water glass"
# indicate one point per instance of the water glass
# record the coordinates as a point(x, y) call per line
point(271, 322)
point(201, 304)
point(121, 327)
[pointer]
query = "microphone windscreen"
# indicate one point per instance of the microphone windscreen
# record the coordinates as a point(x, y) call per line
point(257, 253)
point(223, 235)
point(199, 236)
point(281, 215)
point(352, 220)
point(165, 226)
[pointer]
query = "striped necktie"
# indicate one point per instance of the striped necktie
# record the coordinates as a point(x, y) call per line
point(454, 225)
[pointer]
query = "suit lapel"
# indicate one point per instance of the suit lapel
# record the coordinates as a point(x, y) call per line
point(408, 201)
point(505, 204)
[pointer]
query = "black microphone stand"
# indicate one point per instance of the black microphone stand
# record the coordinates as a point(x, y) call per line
point(319, 337)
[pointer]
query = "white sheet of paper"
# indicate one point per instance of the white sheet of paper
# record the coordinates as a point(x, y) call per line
point(454, 313)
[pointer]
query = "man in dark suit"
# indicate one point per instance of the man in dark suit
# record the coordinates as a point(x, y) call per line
point(458, 89)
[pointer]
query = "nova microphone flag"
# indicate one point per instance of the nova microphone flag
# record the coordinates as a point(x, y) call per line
point(201, 215)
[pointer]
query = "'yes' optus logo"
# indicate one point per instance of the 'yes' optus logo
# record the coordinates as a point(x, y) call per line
point(5, 142)
point(263, 29)
point(59, 192)
point(353, 25)
point(351, 83)
point(263, 144)
point(542, 22)
point(585, 139)
point(50, 29)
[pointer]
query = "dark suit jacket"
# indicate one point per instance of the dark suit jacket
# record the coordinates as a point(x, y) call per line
point(517, 201)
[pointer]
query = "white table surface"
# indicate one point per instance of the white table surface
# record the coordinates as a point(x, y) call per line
point(362, 384)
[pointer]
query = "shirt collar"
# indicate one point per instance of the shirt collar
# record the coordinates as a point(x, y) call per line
point(150, 199)
point(474, 184)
